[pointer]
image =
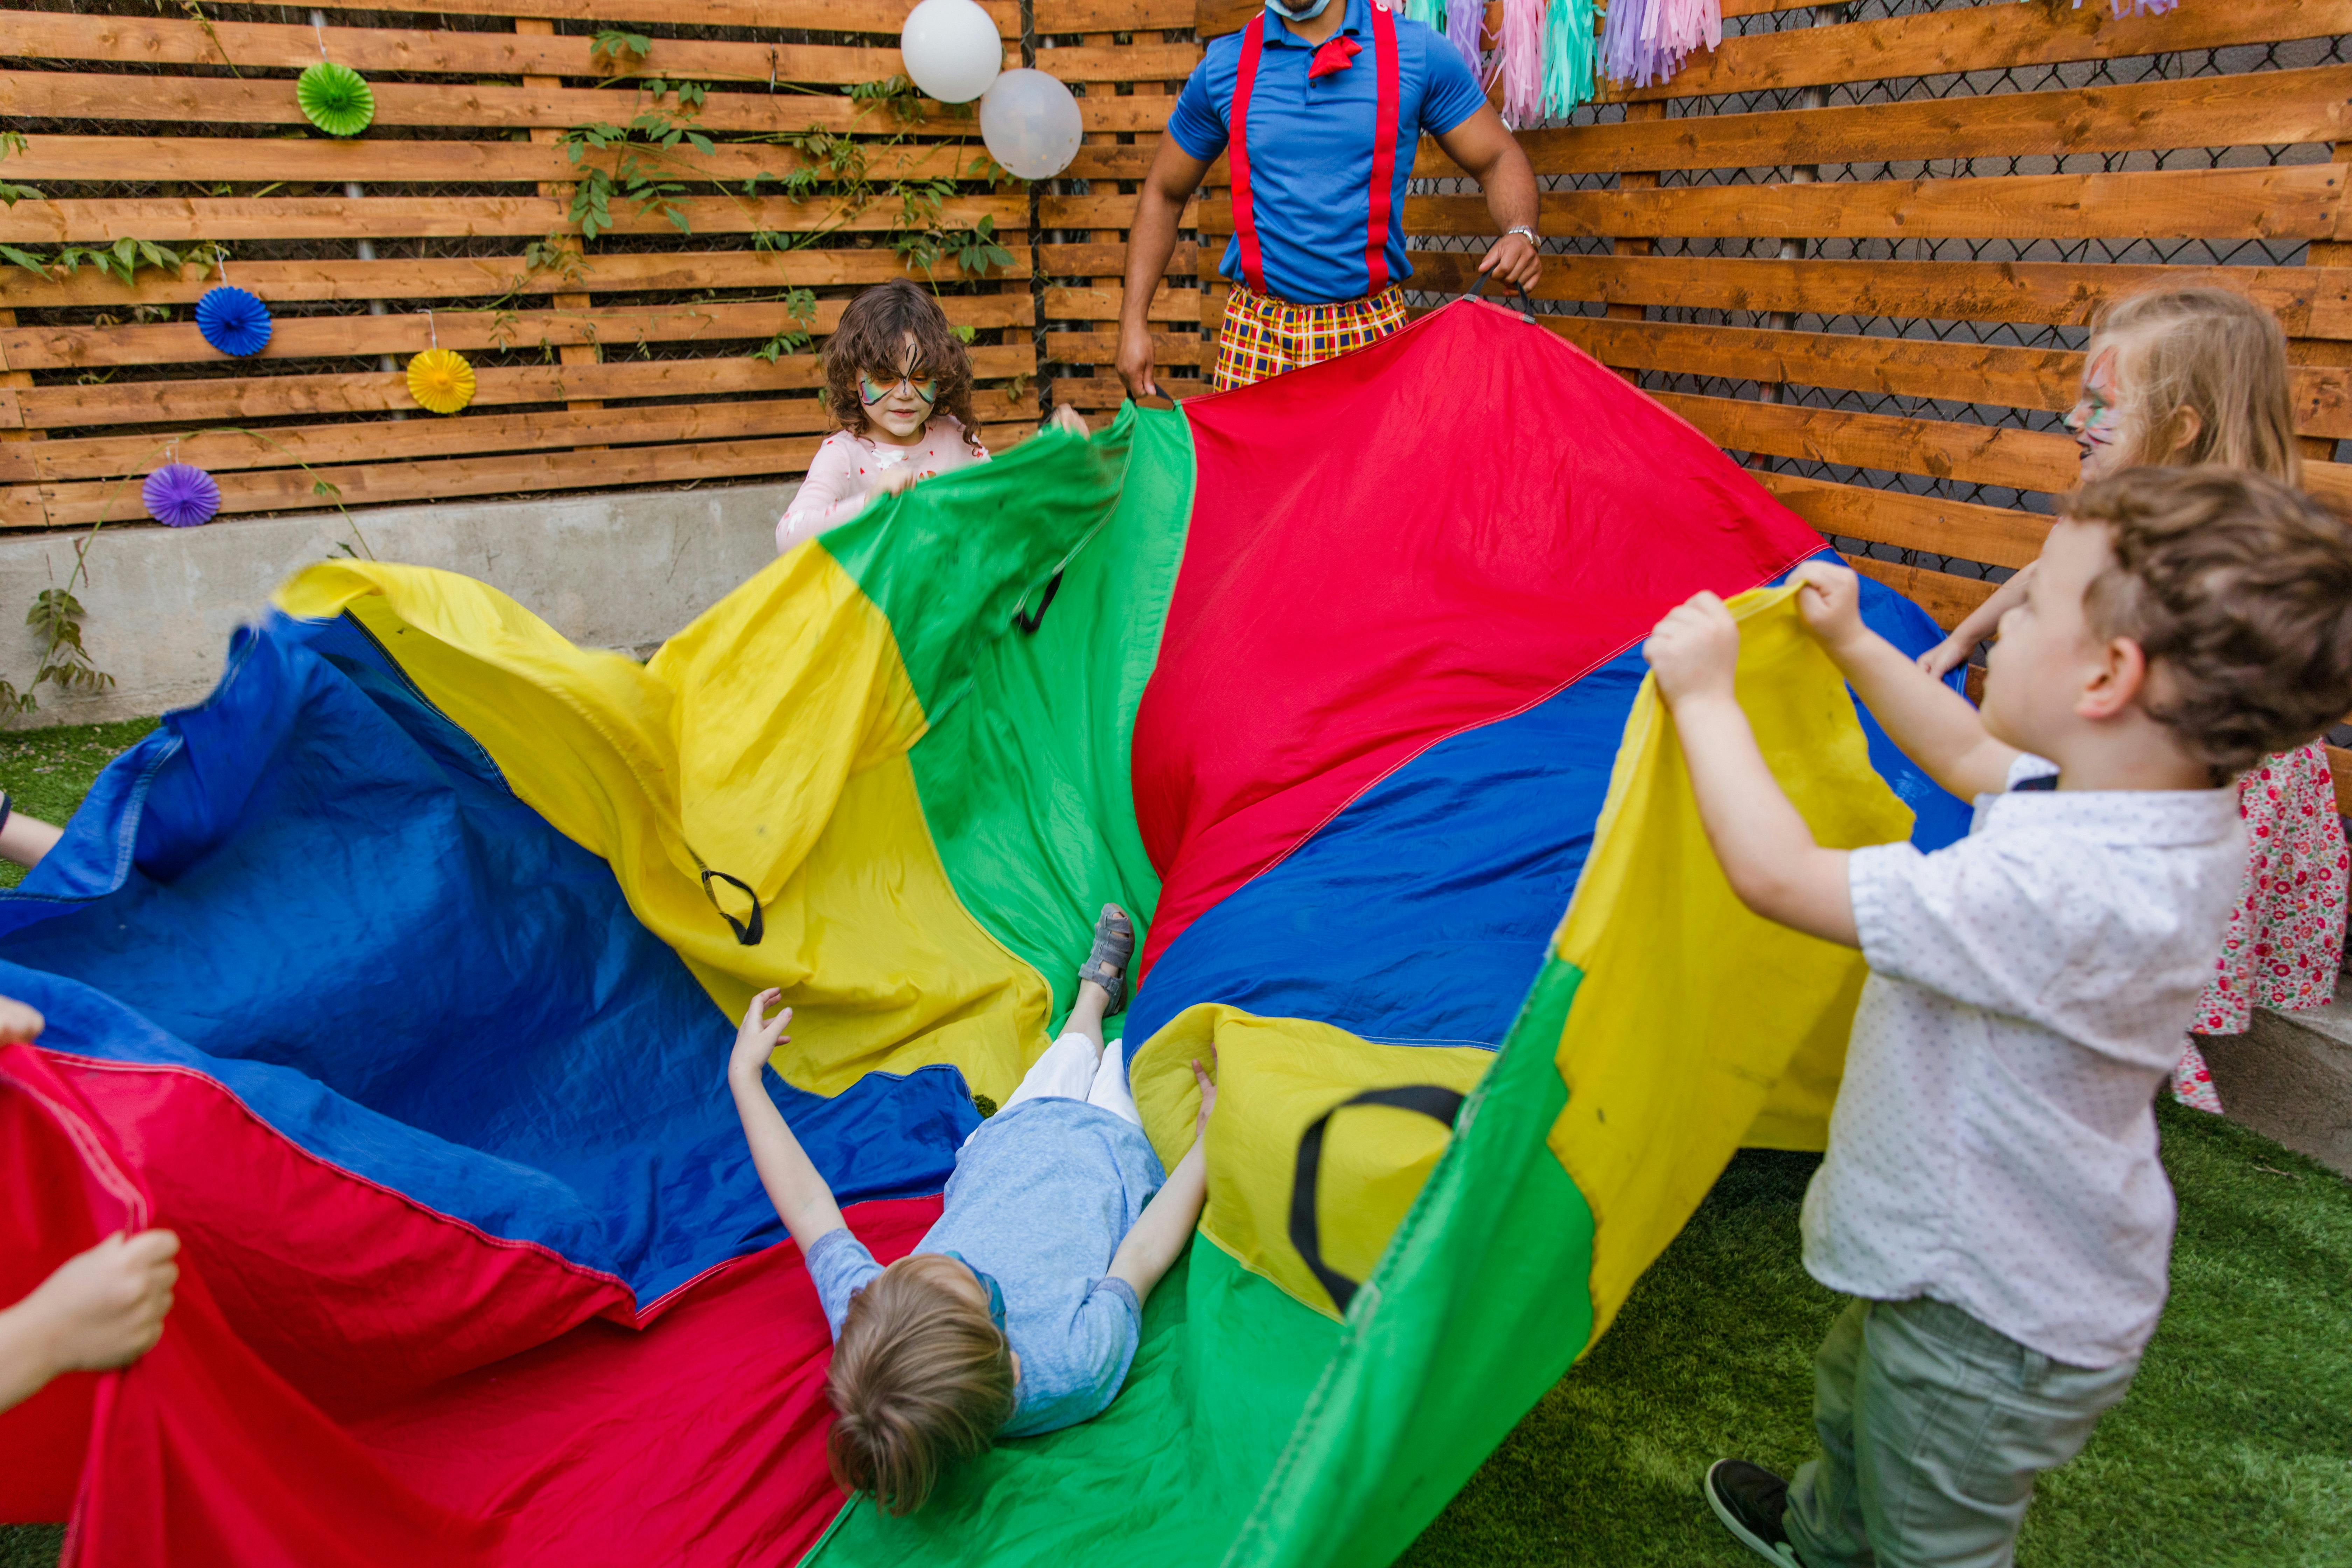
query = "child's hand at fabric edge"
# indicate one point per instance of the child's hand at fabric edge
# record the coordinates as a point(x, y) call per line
point(1695, 651)
point(1068, 420)
point(100, 1309)
point(804, 1201)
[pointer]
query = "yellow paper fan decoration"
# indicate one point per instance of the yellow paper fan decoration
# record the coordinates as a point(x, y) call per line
point(441, 380)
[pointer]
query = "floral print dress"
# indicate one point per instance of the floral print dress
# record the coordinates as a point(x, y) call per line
point(2286, 938)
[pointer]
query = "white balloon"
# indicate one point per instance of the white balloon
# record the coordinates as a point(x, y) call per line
point(1030, 125)
point(952, 48)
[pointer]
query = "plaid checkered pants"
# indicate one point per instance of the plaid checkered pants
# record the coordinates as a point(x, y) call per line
point(1264, 337)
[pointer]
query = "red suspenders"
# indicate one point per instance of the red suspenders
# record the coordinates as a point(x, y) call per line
point(1384, 140)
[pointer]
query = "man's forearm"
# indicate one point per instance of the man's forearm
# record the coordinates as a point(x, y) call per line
point(1510, 190)
point(1149, 244)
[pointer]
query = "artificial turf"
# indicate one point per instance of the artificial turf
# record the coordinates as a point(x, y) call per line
point(2234, 1449)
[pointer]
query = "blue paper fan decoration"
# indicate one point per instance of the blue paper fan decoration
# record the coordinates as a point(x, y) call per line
point(233, 322)
point(181, 495)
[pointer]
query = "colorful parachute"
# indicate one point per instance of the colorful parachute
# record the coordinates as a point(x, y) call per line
point(398, 978)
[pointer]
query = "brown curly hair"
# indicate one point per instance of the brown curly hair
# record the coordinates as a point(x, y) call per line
point(2238, 591)
point(871, 339)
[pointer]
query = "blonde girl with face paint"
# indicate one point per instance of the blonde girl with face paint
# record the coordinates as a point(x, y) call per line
point(2182, 376)
point(898, 384)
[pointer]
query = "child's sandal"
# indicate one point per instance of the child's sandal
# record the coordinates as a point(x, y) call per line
point(1114, 947)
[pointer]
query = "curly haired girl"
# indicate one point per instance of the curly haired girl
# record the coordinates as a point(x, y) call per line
point(899, 384)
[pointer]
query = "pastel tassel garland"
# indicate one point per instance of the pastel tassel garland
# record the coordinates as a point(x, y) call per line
point(181, 495)
point(1647, 41)
point(1428, 13)
point(1466, 20)
point(1567, 63)
point(1522, 61)
point(2124, 8)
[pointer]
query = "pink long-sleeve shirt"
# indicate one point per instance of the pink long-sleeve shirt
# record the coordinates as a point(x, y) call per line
point(849, 469)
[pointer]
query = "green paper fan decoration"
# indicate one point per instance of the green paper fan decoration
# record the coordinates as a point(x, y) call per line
point(335, 99)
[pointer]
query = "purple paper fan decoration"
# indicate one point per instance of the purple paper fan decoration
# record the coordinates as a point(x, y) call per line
point(181, 495)
point(233, 322)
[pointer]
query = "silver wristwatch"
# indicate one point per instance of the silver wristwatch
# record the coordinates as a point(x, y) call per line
point(1526, 233)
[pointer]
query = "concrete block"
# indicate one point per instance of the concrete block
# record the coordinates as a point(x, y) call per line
point(619, 571)
point(2289, 1078)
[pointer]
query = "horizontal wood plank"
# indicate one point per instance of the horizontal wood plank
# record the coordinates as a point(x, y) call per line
point(493, 106)
point(336, 337)
point(1991, 534)
point(2262, 109)
point(174, 221)
point(428, 436)
point(1992, 37)
point(2295, 202)
point(1102, 348)
point(327, 161)
point(1970, 454)
point(2046, 379)
point(237, 399)
point(490, 277)
point(1063, 303)
point(1948, 597)
point(2310, 301)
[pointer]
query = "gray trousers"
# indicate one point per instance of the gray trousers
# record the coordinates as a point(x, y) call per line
point(1933, 1426)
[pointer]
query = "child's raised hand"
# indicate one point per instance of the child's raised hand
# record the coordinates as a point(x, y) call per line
point(1067, 419)
point(105, 1308)
point(1829, 599)
point(1208, 1095)
point(1944, 658)
point(757, 1036)
point(1694, 650)
point(892, 480)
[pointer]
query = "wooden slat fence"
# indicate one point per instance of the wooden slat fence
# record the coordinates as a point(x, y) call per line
point(630, 358)
point(1858, 245)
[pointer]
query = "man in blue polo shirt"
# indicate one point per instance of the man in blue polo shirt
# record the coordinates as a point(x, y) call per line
point(1321, 104)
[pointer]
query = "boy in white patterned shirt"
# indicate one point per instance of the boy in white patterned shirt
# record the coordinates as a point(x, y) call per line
point(1992, 1196)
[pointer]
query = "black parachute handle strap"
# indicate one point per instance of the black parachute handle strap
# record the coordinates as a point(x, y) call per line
point(747, 932)
point(1030, 620)
point(1433, 1101)
point(1527, 302)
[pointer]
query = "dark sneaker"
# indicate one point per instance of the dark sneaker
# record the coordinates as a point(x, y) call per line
point(1750, 1499)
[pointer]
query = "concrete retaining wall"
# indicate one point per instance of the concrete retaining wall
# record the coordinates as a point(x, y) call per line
point(608, 570)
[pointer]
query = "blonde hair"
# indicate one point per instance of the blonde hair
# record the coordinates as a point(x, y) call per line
point(920, 1376)
point(2238, 591)
point(2217, 354)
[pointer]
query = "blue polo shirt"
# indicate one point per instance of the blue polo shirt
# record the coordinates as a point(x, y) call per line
point(1310, 147)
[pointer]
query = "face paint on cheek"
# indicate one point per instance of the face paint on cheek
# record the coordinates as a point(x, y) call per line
point(2099, 415)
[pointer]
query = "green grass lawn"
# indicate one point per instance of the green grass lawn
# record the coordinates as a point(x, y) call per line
point(2234, 1449)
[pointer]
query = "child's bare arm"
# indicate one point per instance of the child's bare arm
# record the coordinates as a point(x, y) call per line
point(1953, 650)
point(1934, 725)
point(1765, 850)
point(1169, 1220)
point(803, 1200)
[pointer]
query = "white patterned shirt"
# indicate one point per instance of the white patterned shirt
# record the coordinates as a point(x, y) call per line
point(1994, 1141)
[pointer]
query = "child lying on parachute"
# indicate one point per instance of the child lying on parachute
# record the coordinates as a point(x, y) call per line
point(1018, 1313)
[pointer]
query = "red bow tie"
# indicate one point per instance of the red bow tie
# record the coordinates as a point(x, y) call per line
point(1336, 55)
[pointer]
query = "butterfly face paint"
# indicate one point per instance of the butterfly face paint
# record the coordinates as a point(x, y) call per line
point(2101, 419)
